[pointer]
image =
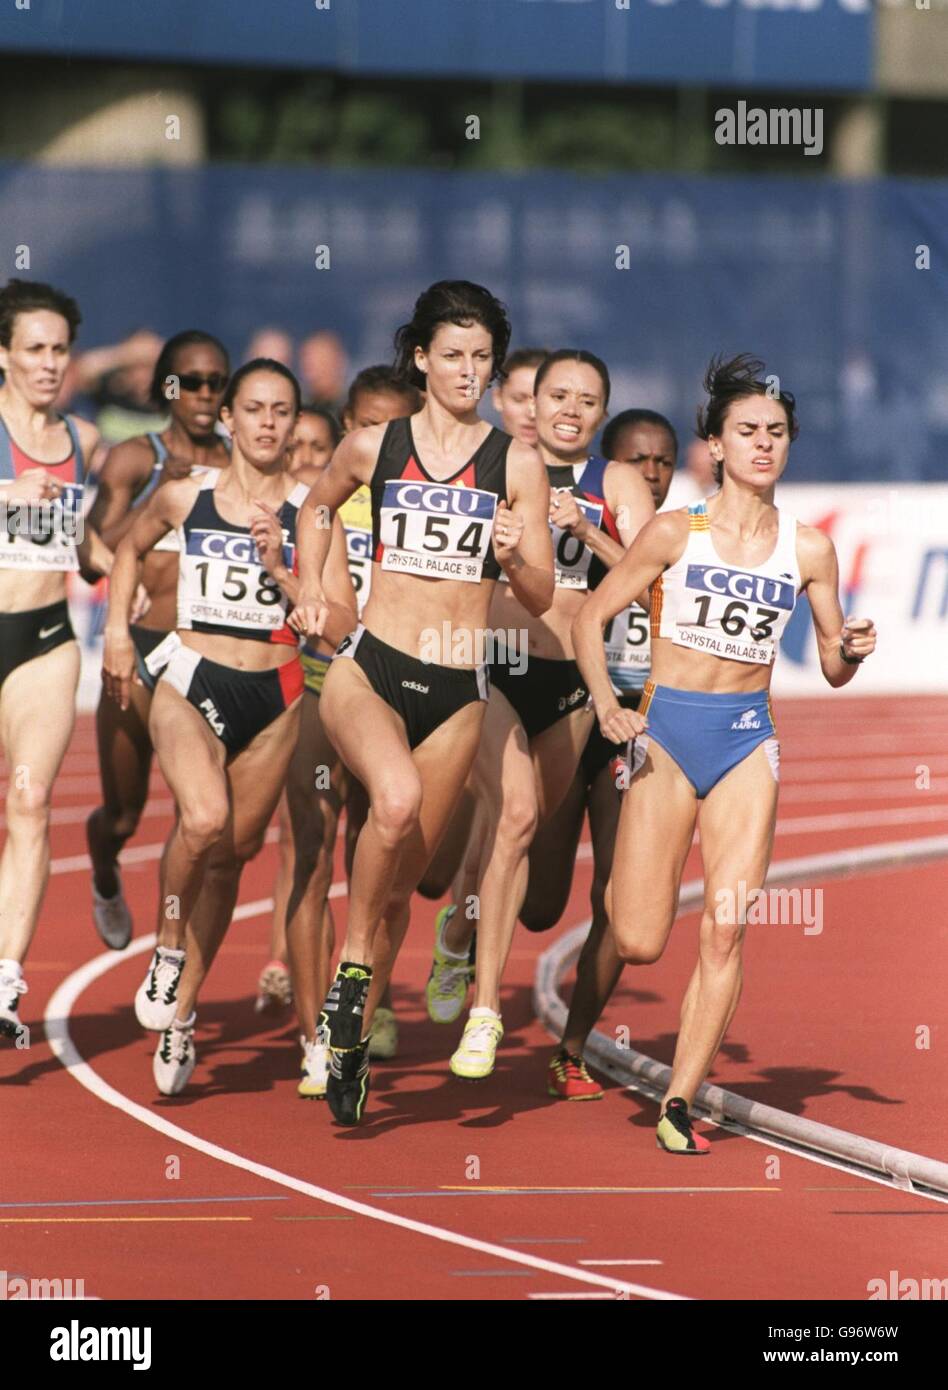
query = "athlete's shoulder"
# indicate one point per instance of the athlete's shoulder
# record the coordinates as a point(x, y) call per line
point(177, 496)
point(626, 477)
point(131, 460)
point(815, 550)
point(87, 432)
point(666, 534)
point(525, 459)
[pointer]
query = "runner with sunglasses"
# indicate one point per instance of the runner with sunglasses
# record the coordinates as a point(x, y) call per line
point(189, 381)
point(454, 505)
point(43, 539)
point(724, 578)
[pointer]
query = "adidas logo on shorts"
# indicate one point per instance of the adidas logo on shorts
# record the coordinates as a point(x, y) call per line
point(748, 720)
point(413, 685)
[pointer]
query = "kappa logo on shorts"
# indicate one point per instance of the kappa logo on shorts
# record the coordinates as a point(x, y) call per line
point(567, 701)
point(414, 685)
point(209, 710)
point(748, 720)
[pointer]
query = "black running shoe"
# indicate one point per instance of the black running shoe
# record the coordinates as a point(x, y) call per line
point(348, 1082)
point(345, 1005)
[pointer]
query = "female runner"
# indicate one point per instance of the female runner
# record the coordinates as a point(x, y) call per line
point(647, 441)
point(196, 364)
point(724, 577)
point(454, 504)
point(318, 784)
point(538, 721)
point(513, 399)
point(225, 711)
point(42, 539)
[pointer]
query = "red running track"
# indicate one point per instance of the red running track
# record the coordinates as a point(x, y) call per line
point(573, 1200)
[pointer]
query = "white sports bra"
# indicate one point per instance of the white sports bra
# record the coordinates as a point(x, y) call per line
point(733, 611)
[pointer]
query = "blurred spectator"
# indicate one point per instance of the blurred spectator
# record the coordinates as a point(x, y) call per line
point(271, 342)
point(324, 369)
point(696, 480)
point(112, 386)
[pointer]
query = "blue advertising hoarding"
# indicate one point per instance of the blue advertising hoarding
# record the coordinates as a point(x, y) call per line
point(791, 43)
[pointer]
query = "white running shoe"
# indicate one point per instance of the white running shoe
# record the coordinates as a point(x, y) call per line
point(11, 987)
point(477, 1050)
point(314, 1066)
point(274, 988)
point(383, 1041)
point(156, 1001)
point(175, 1057)
point(111, 916)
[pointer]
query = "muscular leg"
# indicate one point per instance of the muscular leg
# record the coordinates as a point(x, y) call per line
point(313, 790)
point(255, 779)
point(737, 828)
point(37, 714)
point(450, 853)
point(552, 859)
point(283, 883)
point(191, 759)
point(522, 785)
point(124, 767)
point(442, 763)
point(599, 967)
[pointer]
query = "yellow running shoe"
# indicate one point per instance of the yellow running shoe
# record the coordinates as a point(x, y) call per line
point(314, 1066)
point(383, 1042)
point(675, 1134)
point(477, 1049)
point(450, 976)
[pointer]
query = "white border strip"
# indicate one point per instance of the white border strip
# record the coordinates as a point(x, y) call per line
point(900, 1166)
point(57, 1032)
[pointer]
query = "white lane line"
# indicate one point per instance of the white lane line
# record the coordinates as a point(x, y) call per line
point(602, 1263)
point(891, 790)
point(853, 820)
point(138, 854)
point(56, 1020)
point(75, 815)
point(572, 1297)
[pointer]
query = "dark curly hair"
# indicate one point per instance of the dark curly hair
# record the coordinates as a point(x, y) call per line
point(734, 379)
point(450, 301)
point(25, 296)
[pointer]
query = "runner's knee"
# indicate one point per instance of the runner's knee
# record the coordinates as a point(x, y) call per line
point(518, 818)
point(28, 806)
point(395, 811)
point(720, 941)
point(202, 824)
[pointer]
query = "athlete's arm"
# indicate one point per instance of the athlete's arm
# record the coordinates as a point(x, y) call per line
point(658, 545)
point(339, 588)
point(94, 556)
point(819, 572)
point(127, 469)
point(351, 465)
point(165, 509)
point(526, 556)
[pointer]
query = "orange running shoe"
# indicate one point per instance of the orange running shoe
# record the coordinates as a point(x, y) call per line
point(568, 1079)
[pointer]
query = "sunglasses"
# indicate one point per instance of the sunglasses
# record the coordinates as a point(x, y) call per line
point(193, 381)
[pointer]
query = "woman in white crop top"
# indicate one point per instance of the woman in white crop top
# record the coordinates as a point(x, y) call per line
point(723, 577)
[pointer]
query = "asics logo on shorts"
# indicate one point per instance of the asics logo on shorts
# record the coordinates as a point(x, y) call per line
point(414, 685)
point(209, 710)
point(567, 701)
point(748, 720)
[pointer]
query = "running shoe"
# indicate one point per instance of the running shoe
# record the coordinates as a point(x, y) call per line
point(348, 1083)
point(175, 1057)
point(477, 1050)
point(314, 1066)
point(446, 990)
point(568, 1079)
point(156, 1001)
point(274, 988)
point(344, 1008)
point(674, 1133)
point(11, 987)
point(111, 916)
point(383, 1043)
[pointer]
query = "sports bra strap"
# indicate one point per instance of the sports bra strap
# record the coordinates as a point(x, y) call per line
point(159, 446)
point(7, 471)
point(76, 448)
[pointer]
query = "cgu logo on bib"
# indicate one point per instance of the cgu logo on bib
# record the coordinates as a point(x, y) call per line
point(431, 497)
point(224, 545)
point(757, 588)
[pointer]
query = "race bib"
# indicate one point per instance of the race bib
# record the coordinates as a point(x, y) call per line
point(627, 640)
point(223, 582)
point(359, 553)
point(42, 535)
point(571, 557)
point(436, 530)
point(733, 613)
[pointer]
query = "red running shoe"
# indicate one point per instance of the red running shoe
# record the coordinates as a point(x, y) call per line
point(674, 1133)
point(568, 1078)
